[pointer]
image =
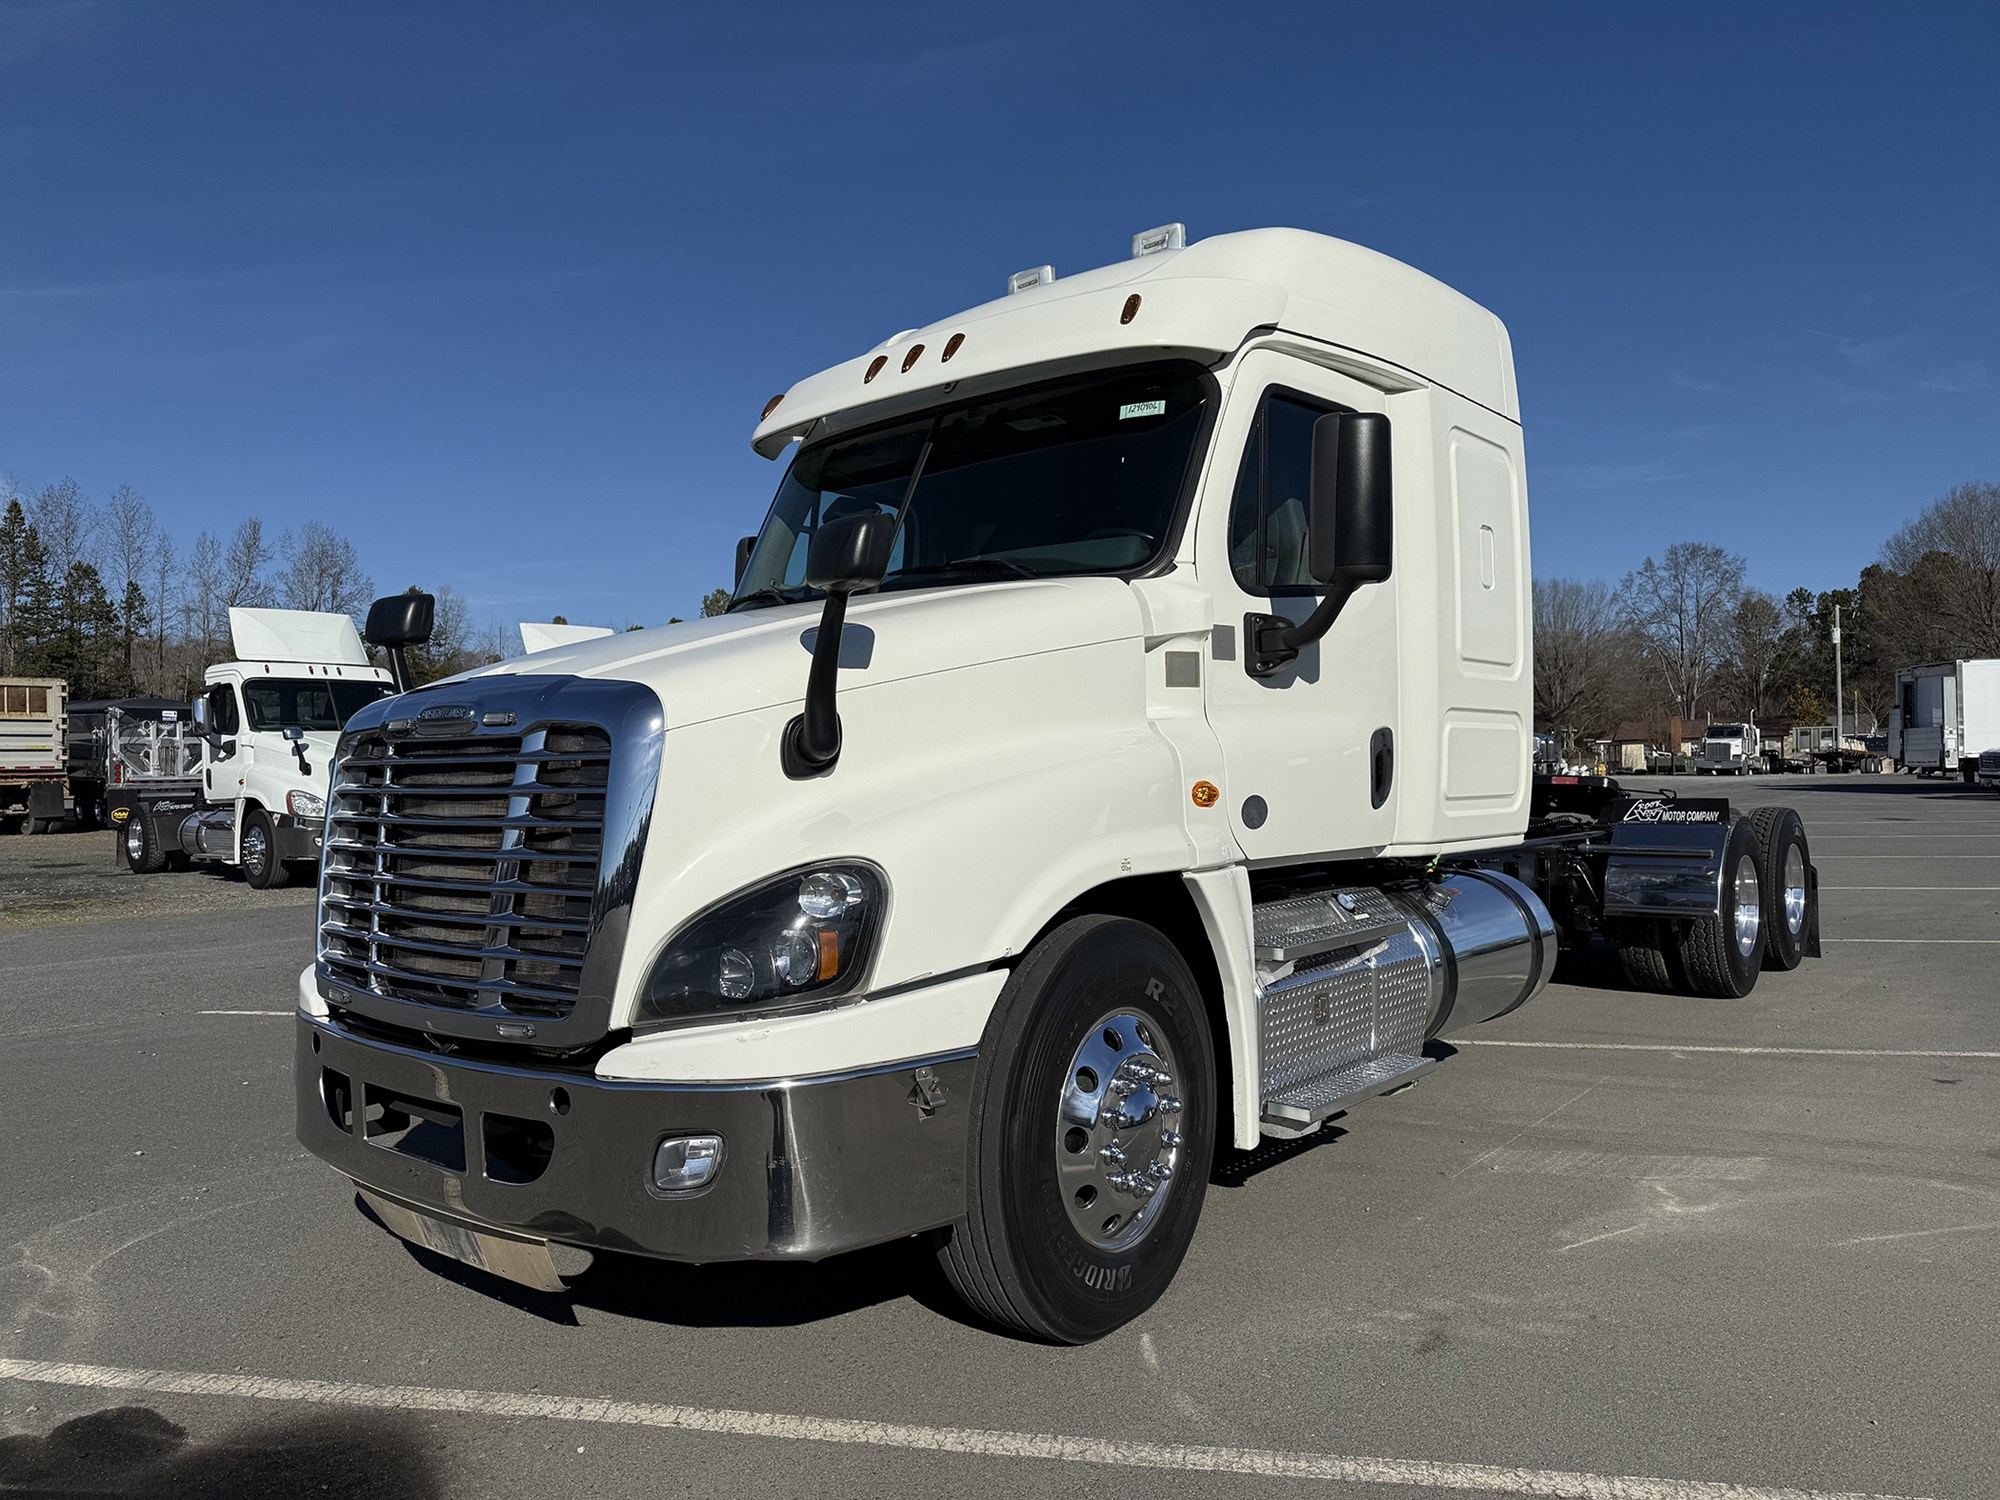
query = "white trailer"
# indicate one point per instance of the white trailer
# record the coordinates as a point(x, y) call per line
point(34, 753)
point(1945, 715)
point(267, 723)
point(1118, 746)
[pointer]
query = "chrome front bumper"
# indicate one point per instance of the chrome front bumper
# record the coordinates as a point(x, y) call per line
point(811, 1166)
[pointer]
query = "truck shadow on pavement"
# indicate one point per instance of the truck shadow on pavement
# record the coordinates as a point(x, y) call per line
point(135, 1451)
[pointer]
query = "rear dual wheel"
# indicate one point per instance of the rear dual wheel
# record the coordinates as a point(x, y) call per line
point(1787, 886)
point(1092, 1124)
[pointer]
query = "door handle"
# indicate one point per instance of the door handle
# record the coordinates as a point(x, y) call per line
point(1381, 766)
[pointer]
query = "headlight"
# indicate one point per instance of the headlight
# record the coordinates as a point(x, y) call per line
point(793, 942)
point(305, 805)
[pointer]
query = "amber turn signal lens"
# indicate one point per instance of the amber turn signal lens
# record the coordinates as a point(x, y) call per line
point(1131, 309)
point(829, 954)
point(875, 367)
point(1206, 794)
point(771, 405)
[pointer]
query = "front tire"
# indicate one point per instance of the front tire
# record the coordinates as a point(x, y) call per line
point(262, 869)
point(1093, 1120)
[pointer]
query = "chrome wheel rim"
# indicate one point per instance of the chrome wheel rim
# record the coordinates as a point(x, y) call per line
point(1795, 889)
point(256, 850)
point(1749, 915)
point(135, 842)
point(1118, 1131)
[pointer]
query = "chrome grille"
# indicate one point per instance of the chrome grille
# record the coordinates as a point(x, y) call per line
point(461, 871)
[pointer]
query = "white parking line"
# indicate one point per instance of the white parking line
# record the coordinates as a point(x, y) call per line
point(243, 1013)
point(1263, 1463)
point(1910, 887)
point(1927, 942)
point(1711, 1047)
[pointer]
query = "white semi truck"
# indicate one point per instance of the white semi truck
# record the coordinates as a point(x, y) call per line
point(1118, 747)
point(1946, 713)
point(1729, 750)
point(255, 796)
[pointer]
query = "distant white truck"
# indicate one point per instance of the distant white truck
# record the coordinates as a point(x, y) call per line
point(1729, 749)
point(1945, 715)
point(34, 757)
point(256, 795)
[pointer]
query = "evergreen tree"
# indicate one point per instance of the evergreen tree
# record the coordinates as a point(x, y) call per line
point(31, 613)
point(13, 534)
point(134, 618)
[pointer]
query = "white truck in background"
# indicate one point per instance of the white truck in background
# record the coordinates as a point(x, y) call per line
point(34, 753)
point(1729, 750)
point(1945, 714)
point(1118, 747)
point(255, 795)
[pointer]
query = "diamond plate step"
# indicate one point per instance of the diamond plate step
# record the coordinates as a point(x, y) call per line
point(1312, 1102)
point(1301, 926)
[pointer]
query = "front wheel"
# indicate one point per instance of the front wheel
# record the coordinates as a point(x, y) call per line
point(1093, 1120)
point(262, 869)
point(143, 855)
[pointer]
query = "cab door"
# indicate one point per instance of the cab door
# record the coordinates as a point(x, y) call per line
point(1310, 750)
point(222, 773)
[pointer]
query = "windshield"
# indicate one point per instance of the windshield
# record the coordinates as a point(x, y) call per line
point(1075, 476)
point(1725, 731)
point(307, 702)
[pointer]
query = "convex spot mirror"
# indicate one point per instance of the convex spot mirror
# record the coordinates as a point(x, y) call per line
point(400, 620)
point(851, 552)
point(1352, 501)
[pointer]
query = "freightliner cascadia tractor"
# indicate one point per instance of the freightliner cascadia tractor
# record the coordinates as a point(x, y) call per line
point(1118, 748)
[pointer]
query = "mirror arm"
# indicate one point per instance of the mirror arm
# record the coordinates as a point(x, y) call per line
point(1272, 641)
point(812, 739)
point(399, 668)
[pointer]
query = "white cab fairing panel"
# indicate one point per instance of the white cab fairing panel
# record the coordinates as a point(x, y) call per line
point(990, 795)
point(295, 635)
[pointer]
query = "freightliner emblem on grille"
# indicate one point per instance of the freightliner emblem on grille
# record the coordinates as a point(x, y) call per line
point(446, 711)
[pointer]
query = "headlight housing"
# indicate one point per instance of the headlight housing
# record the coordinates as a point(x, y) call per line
point(792, 943)
point(308, 805)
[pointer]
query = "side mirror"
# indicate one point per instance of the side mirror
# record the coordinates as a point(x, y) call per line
point(744, 547)
point(847, 554)
point(1352, 505)
point(397, 622)
point(295, 734)
point(1352, 509)
point(851, 553)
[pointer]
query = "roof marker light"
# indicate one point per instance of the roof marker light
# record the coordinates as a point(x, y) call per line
point(916, 353)
point(951, 347)
point(771, 406)
point(1028, 280)
point(1131, 312)
point(1153, 241)
point(875, 367)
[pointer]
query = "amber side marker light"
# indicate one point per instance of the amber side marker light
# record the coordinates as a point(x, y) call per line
point(875, 367)
point(829, 954)
point(1206, 794)
point(1131, 309)
point(771, 405)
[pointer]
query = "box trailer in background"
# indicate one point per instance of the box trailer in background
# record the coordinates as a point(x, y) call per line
point(34, 767)
point(1945, 714)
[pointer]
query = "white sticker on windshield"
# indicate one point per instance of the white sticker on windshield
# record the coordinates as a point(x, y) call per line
point(1142, 409)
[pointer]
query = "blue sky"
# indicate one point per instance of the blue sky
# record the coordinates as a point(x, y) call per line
point(499, 289)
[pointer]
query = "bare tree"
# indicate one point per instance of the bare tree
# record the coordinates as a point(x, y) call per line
point(321, 572)
point(1954, 545)
point(66, 522)
point(1577, 636)
point(243, 584)
point(1680, 607)
point(202, 604)
point(1756, 646)
point(165, 598)
point(128, 535)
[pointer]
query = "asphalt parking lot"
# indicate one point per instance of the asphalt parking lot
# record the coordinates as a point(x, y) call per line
point(1625, 1246)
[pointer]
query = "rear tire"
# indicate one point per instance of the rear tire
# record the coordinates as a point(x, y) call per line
point(1722, 954)
point(143, 854)
point(1788, 894)
point(1644, 947)
point(262, 869)
point(1050, 1244)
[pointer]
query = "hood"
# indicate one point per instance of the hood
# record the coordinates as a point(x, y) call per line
point(733, 664)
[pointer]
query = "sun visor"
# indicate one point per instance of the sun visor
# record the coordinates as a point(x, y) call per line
point(296, 635)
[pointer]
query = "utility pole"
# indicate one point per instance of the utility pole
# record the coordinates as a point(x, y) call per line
point(1839, 717)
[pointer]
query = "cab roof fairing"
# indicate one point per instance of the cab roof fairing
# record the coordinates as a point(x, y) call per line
point(1201, 302)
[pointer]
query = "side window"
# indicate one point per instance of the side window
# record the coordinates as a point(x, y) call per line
point(1269, 519)
point(222, 709)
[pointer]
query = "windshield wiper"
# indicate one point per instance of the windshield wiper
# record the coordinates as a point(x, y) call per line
point(765, 596)
point(967, 564)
